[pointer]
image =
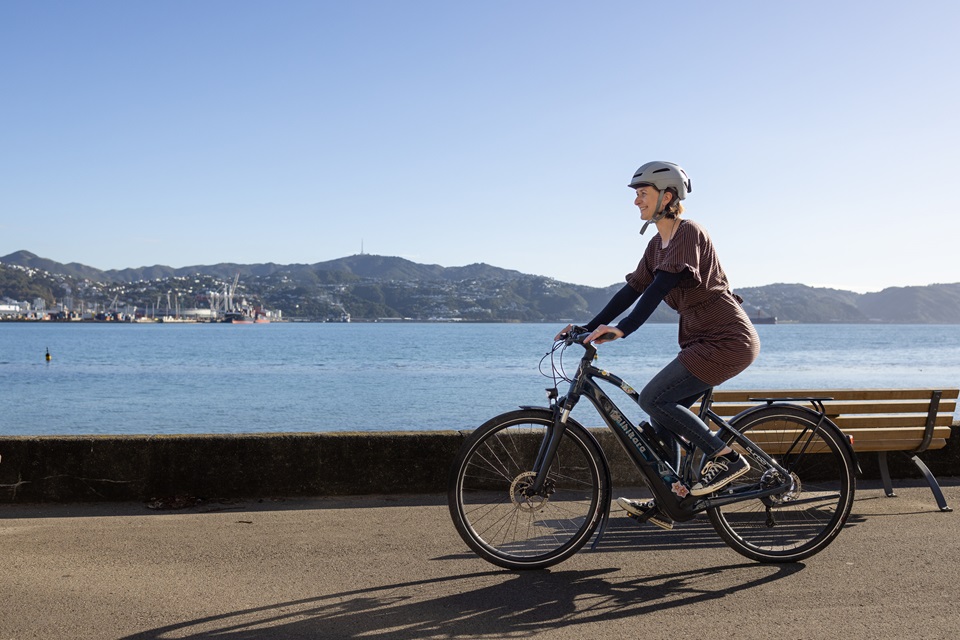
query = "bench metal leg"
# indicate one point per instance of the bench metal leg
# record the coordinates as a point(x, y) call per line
point(927, 474)
point(885, 475)
point(932, 481)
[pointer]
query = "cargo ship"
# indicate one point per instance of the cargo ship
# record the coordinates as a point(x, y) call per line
point(244, 316)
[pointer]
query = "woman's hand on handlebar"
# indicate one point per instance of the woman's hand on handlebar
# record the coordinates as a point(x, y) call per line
point(602, 334)
point(563, 333)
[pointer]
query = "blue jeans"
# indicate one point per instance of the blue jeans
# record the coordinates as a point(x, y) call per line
point(668, 398)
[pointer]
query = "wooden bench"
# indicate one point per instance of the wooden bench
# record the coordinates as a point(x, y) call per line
point(909, 421)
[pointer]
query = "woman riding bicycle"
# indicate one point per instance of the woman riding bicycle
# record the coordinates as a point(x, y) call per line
point(717, 339)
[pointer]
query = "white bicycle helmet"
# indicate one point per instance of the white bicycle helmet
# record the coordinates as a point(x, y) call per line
point(661, 176)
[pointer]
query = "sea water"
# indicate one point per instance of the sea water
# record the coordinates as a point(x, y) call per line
point(282, 377)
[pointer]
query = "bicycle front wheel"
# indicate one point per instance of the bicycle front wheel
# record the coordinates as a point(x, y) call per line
point(489, 505)
point(803, 521)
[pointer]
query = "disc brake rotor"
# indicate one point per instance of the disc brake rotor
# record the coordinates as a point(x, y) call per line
point(771, 479)
point(794, 491)
point(528, 502)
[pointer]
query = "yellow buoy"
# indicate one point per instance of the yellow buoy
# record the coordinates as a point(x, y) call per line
point(48, 355)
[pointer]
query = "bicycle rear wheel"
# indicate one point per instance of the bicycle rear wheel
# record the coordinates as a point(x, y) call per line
point(804, 520)
point(486, 491)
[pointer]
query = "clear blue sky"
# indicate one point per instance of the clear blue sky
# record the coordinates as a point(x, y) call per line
point(822, 137)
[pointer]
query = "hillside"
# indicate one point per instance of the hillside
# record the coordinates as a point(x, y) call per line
point(370, 287)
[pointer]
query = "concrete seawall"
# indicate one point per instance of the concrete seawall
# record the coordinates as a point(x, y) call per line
point(217, 467)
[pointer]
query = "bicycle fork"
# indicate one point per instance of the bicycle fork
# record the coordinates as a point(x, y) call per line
point(550, 444)
point(541, 485)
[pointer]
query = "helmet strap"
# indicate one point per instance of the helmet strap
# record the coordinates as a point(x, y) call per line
point(657, 215)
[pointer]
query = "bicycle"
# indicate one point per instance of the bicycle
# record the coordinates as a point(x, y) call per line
point(531, 486)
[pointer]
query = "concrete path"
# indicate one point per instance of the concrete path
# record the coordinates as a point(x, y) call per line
point(395, 568)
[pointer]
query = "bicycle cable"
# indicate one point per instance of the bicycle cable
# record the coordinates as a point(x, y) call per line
point(557, 370)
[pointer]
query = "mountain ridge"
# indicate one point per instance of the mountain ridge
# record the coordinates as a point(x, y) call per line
point(368, 286)
point(363, 265)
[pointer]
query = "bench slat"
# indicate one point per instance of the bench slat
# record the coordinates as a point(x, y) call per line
point(865, 434)
point(835, 407)
point(743, 395)
point(776, 442)
point(896, 445)
point(850, 421)
point(779, 447)
point(890, 420)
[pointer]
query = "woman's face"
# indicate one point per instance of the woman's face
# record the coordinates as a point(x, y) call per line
point(647, 199)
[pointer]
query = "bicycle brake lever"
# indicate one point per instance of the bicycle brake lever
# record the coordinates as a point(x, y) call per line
point(575, 332)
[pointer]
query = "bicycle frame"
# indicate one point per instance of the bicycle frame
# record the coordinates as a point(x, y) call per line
point(669, 483)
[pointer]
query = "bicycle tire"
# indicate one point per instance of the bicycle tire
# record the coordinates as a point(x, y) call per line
point(803, 521)
point(489, 510)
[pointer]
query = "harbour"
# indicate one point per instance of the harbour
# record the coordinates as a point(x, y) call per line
point(225, 305)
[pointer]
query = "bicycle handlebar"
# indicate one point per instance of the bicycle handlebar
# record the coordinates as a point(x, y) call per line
point(577, 334)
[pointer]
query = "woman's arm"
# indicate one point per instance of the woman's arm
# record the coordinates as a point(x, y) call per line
point(652, 296)
point(619, 303)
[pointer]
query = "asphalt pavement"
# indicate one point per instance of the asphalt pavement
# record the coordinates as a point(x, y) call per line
point(394, 567)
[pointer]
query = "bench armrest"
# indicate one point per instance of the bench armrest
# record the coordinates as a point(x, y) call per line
point(931, 421)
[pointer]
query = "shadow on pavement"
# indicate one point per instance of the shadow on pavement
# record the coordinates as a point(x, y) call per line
point(494, 604)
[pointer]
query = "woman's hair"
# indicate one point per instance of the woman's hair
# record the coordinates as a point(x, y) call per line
point(675, 208)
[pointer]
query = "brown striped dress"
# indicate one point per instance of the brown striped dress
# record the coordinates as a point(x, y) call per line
point(717, 339)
